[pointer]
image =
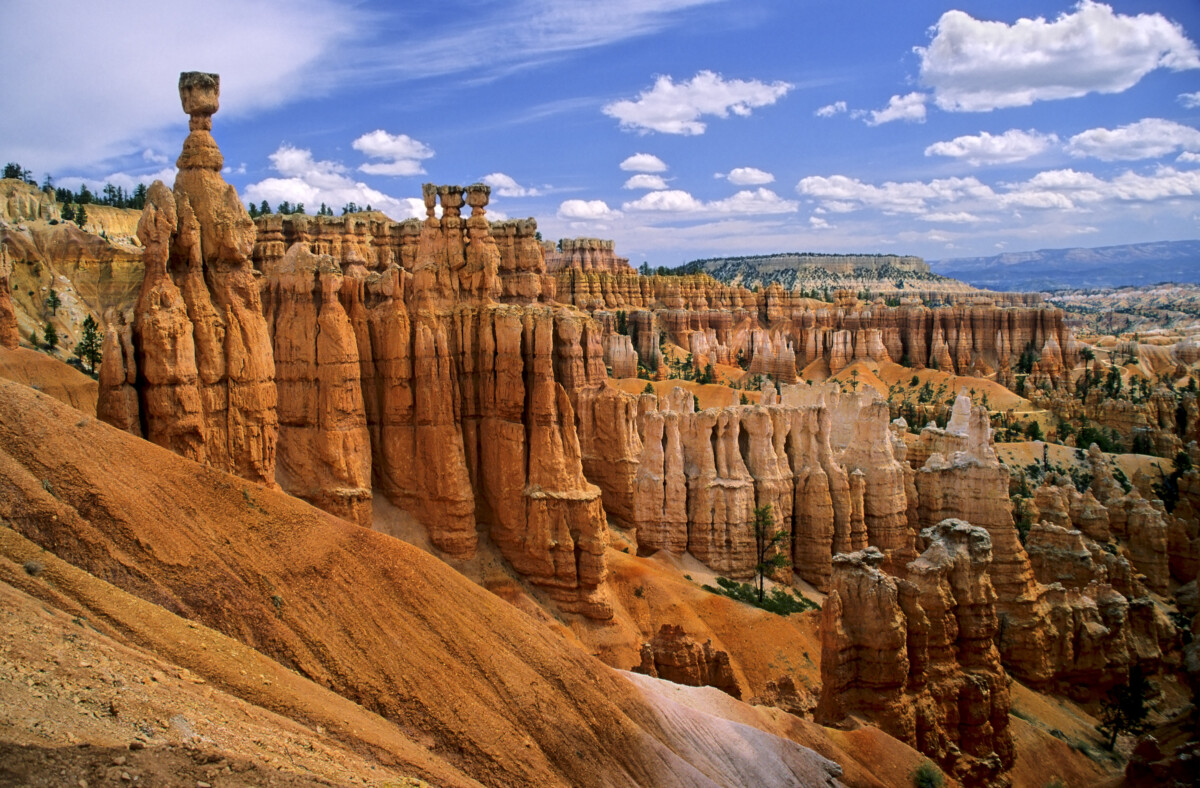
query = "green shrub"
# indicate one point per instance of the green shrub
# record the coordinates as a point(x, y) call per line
point(928, 776)
point(780, 601)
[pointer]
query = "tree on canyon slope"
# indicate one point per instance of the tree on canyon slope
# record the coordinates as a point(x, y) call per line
point(1126, 707)
point(766, 547)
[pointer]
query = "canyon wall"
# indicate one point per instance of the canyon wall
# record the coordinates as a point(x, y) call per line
point(915, 654)
point(427, 368)
point(10, 334)
point(584, 254)
point(780, 332)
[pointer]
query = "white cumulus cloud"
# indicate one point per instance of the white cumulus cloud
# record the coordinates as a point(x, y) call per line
point(676, 108)
point(975, 65)
point(586, 210)
point(950, 217)
point(747, 176)
point(829, 110)
point(312, 182)
point(401, 154)
point(643, 181)
point(1149, 138)
point(910, 108)
point(757, 201)
point(643, 162)
point(507, 186)
point(984, 148)
point(1190, 100)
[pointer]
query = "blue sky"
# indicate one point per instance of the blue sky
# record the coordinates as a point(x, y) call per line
point(679, 128)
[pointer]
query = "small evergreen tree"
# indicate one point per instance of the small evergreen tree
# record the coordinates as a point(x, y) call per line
point(50, 337)
point(649, 389)
point(253, 211)
point(80, 216)
point(1126, 707)
point(53, 302)
point(88, 350)
point(68, 213)
point(766, 547)
point(264, 208)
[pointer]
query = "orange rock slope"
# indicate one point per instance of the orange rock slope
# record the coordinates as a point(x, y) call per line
point(355, 634)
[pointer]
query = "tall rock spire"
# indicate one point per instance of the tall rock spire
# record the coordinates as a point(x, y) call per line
point(202, 361)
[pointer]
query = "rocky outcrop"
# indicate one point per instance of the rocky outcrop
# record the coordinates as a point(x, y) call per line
point(21, 201)
point(324, 450)
point(200, 343)
point(788, 331)
point(673, 655)
point(10, 333)
point(461, 405)
point(916, 656)
point(1075, 634)
point(584, 254)
point(692, 479)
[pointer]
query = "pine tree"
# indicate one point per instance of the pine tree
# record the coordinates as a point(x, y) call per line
point(766, 543)
point(53, 302)
point(80, 215)
point(264, 208)
point(50, 337)
point(88, 350)
point(68, 213)
point(1126, 707)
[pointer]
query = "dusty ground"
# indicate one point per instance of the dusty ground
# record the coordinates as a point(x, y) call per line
point(49, 375)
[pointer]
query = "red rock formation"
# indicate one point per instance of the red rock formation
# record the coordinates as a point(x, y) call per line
point(916, 656)
point(324, 450)
point(10, 335)
point(584, 254)
point(697, 477)
point(199, 339)
point(674, 656)
point(788, 331)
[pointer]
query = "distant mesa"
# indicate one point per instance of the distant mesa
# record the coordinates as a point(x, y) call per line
point(795, 270)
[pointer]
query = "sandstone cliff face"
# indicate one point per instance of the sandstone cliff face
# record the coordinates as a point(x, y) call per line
point(916, 655)
point(455, 406)
point(200, 342)
point(324, 450)
point(9, 331)
point(781, 332)
point(20, 201)
point(674, 656)
point(1077, 633)
point(584, 254)
point(689, 481)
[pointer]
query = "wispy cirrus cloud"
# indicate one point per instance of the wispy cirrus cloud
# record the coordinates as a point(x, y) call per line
point(497, 39)
point(265, 59)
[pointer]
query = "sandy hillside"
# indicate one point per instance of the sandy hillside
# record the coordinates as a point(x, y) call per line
point(50, 376)
point(461, 674)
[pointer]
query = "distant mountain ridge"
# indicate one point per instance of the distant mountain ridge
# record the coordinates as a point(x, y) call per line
point(1079, 267)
